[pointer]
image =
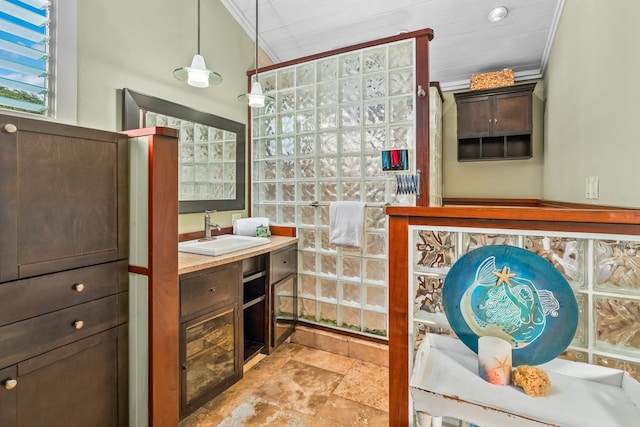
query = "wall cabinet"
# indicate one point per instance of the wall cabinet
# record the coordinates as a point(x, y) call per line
point(63, 274)
point(210, 334)
point(495, 124)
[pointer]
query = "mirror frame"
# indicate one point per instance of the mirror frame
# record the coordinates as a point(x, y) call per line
point(135, 102)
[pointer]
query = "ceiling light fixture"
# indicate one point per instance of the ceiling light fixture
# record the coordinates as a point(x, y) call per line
point(497, 14)
point(256, 98)
point(197, 75)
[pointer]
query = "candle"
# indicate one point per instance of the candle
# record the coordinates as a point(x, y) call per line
point(494, 360)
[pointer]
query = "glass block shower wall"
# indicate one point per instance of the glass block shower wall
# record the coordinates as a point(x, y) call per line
point(321, 140)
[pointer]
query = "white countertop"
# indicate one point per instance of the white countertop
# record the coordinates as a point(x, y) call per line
point(188, 262)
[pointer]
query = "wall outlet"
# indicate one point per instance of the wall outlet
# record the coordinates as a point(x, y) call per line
point(235, 216)
point(592, 191)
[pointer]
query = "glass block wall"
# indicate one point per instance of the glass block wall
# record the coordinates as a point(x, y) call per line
point(603, 270)
point(321, 140)
point(207, 158)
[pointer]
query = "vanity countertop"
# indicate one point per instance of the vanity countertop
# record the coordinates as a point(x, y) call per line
point(188, 263)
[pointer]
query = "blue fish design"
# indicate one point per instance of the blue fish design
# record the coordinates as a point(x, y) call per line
point(507, 307)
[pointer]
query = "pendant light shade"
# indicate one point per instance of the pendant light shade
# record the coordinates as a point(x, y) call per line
point(197, 75)
point(256, 98)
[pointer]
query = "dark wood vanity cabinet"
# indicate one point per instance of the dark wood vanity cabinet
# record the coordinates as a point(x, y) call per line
point(283, 294)
point(211, 356)
point(496, 123)
point(63, 275)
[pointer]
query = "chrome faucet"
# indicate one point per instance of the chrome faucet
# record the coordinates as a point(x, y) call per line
point(208, 226)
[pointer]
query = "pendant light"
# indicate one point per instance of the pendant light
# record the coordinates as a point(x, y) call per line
point(197, 75)
point(256, 98)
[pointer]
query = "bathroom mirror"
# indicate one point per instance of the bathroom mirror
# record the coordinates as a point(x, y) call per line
point(211, 151)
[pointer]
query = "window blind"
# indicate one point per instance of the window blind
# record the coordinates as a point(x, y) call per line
point(24, 57)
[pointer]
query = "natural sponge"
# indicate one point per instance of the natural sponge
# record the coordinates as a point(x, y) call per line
point(534, 381)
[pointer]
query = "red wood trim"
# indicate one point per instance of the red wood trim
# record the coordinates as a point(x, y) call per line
point(398, 322)
point(605, 216)
point(421, 153)
point(477, 201)
point(136, 269)
point(155, 130)
point(278, 230)
point(427, 32)
point(164, 383)
point(557, 204)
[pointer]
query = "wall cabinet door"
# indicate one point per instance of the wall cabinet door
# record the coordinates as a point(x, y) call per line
point(474, 117)
point(64, 197)
point(511, 114)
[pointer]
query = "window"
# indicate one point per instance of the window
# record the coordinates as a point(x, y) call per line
point(24, 56)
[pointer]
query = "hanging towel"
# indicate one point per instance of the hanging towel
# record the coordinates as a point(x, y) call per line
point(346, 223)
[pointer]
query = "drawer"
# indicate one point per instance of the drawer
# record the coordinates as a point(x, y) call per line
point(31, 337)
point(283, 263)
point(211, 290)
point(44, 294)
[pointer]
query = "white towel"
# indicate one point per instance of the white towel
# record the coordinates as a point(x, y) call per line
point(247, 226)
point(346, 223)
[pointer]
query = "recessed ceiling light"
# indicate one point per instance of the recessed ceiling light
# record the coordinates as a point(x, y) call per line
point(497, 14)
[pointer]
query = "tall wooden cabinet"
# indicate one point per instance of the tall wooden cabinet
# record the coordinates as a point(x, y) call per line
point(495, 124)
point(63, 275)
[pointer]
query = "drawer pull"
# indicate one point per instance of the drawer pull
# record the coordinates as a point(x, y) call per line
point(10, 128)
point(10, 384)
point(78, 324)
point(212, 289)
point(79, 287)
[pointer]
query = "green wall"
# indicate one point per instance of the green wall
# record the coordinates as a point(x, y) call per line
point(137, 45)
point(593, 92)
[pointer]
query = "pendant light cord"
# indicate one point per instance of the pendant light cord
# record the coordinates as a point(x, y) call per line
point(256, 40)
point(198, 27)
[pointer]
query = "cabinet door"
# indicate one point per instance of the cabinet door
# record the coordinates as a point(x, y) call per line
point(76, 385)
point(211, 356)
point(64, 197)
point(8, 396)
point(284, 309)
point(512, 114)
point(474, 117)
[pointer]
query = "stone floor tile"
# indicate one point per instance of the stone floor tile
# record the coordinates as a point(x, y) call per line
point(298, 385)
point(325, 360)
point(338, 411)
point(366, 383)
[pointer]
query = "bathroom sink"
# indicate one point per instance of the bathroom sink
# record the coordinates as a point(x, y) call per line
point(220, 245)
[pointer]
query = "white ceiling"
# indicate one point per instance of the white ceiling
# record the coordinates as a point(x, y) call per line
point(465, 41)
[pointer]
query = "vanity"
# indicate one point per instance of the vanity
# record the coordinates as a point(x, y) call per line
point(232, 307)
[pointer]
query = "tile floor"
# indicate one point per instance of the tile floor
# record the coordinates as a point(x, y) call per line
point(300, 386)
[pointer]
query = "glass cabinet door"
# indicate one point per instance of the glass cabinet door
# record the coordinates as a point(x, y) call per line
point(210, 354)
point(284, 309)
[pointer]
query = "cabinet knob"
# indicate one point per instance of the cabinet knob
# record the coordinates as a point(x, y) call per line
point(10, 128)
point(78, 324)
point(79, 287)
point(212, 289)
point(10, 384)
